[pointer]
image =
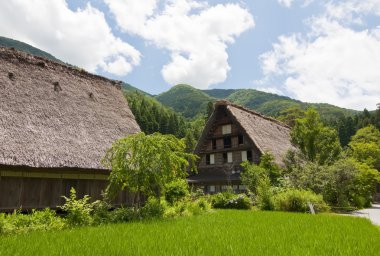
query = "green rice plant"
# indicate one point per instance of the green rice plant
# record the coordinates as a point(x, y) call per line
point(223, 232)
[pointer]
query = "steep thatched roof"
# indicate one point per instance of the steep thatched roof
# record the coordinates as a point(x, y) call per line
point(268, 134)
point(52, 115)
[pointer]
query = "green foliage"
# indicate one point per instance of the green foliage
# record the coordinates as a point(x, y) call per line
point(316, 142)
point(78, 210)
point(365, 146)
point(176, 190)
point(153, 208)
point(145, 163)
point(294, 200)
point(252, 173)
point(229, 200)
point(350, 183)
point(264, 199)
point(17, 222)
point(123, 214)
point(153, 117)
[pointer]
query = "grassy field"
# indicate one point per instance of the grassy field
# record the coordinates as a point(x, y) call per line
point(227, 232)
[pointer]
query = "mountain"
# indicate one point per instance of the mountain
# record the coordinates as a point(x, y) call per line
point(11, 43)
point(190, 101)
point(186, 100)
point(129, 88)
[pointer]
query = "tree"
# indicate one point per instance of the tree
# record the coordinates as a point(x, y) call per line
point(365, 146)
point(253, 174)
point(316, 142)
point(143, 164)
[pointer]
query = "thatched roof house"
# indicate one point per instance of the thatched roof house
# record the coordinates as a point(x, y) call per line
point(56, 123)
point(232, 135)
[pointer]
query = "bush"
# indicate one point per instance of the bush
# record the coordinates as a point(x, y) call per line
point(78, 210)
point(123, 214)
point(101, 212)
point(38, 220)
point(228, 200)
point(294, 200)
point(176, 191)
point(264, 197)
point(153, 208)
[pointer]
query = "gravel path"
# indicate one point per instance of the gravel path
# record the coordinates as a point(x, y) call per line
point(372, 213)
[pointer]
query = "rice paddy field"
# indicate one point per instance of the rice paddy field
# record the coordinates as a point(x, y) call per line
point(224, 232)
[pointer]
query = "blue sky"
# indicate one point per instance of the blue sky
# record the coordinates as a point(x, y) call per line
point(315, 51)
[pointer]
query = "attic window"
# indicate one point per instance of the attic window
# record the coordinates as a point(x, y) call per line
point(241, 139)
point(226, 129)
point(57, 87)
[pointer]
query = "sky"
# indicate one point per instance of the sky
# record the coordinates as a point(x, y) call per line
point(311, 50)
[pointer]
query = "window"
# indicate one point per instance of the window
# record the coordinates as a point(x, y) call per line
point(224, 188)
point(229, 157)
point(210, 159)
point(244, 156)
point(226, 129)
point(214, 144)
point(240, 139)
point(242, 187)
point(227, 142)
point(211, 189)
point(249, 155)
point(225, 157)
point(235, 187)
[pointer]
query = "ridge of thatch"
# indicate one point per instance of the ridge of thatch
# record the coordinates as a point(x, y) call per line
point(226, 102)
point(53, 115)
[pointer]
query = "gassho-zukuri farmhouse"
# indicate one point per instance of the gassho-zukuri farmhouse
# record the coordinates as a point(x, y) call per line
point(234, 134)
point(56, 123)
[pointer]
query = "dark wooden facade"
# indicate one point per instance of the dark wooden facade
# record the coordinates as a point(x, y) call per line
point(221, 153)
point(35, 188)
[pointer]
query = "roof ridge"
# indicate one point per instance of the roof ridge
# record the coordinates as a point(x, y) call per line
point(41, 61)
point(228, 103)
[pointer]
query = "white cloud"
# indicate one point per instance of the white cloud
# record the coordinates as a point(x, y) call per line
point(332, 63)
point(80, 37)
point(287, 3)
point(195, 34)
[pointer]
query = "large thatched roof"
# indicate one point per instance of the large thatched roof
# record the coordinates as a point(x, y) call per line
point(268, 134)
point(52, 115)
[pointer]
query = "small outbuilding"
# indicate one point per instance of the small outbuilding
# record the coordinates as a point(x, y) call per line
point(56, 123)
point(234, 134)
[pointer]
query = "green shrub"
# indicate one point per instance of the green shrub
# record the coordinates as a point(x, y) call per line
point(123, 214)
point(78, 210)
point(101, 212)
point(176, 191)
point(203, 204)
point(239, 202)
point(228, 200)
point(38, 220)
point(264, 197)
point(294, 200)
point(153, 208)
